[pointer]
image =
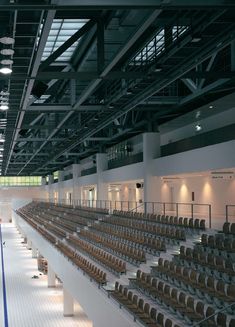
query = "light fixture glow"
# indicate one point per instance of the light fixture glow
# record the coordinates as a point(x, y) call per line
point(7, 40)
point(198, 128)
point(211, 107)
point(5, 70)
point(7, 52)
point(4, 107)
point(6, 61)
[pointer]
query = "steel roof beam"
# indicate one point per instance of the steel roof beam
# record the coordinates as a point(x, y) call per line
point(150, 19)
point(42, 42)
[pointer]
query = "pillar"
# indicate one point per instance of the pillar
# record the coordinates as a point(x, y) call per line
point(44, 182)
point(102, 165)
point(68, 304)
point(50, 182)
point(76, 170)
point(29, 244)
point(34, 251)
point(61, 196)
point(51, 279)
point(151, 150)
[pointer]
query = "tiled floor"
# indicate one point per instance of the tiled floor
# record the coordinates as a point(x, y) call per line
point(30, 303)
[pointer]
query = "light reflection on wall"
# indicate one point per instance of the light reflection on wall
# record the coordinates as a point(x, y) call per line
point(207, 191)
point(184, 193)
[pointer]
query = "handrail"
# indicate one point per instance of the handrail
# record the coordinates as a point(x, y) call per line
point(214, 314)
point(137, 207)
point(227, 210)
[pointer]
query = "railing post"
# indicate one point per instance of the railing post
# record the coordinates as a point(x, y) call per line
point(145, 207)
point(128, 205)
point(177, 209)
point(164, 208)
point(191, 210)
point(226, 214)
point(209, 215)
point(121, 205)
point(152, 207)
point(115, 205)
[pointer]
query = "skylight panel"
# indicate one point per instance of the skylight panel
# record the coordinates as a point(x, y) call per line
point(61, 31)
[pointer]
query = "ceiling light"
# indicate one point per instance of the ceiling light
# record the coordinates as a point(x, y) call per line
point(7, 40)
point(4, 106)
point(2, 140)
point(198, 128)
point(196, 38)
point(7, 52)
point(6, 61)
point(198, 114)
point(4, 92)
point(5, 70)
point(129, 92)
point(158, 68)
point(96, 118)
point(211, 107)
point(111, 106)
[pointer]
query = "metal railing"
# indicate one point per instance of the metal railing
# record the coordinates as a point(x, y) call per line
point(227, 211)
point(213, 315)
point(179, 208)
point(191, 210)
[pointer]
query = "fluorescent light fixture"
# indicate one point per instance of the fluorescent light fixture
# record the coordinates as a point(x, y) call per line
point(196, 38)
point(198, 128)
point(7, 40)
point(5, 70)
point(7, 52)
point(2, 140)
point(4, 106)
point(4, 93)
point(6, 61)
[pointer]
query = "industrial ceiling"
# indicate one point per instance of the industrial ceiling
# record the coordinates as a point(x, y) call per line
point(88, 74)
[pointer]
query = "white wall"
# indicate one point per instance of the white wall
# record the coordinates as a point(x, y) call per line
point(211, 157)
point(217, 192)
point(14, 197)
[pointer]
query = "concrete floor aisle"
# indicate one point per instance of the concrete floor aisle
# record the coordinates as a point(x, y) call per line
point(29, 302)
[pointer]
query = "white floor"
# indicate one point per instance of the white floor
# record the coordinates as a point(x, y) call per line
point(29, 302)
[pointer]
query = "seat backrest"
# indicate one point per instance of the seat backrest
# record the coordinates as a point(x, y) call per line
point(160, 319)
point(221, 319)
point(147, 308)
point(190, 303)
point(196, 223)
point(174, 294)
point(210, 282)
point(202, 224)
point(232, 229)
point(190, 223)
point(231, 291)
point(141, 304)
point(226, 228)
point(160, 286)
point(168, 323)
point(135, 300)
point(153, 314)
point(182, 298)
point(200, 308)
